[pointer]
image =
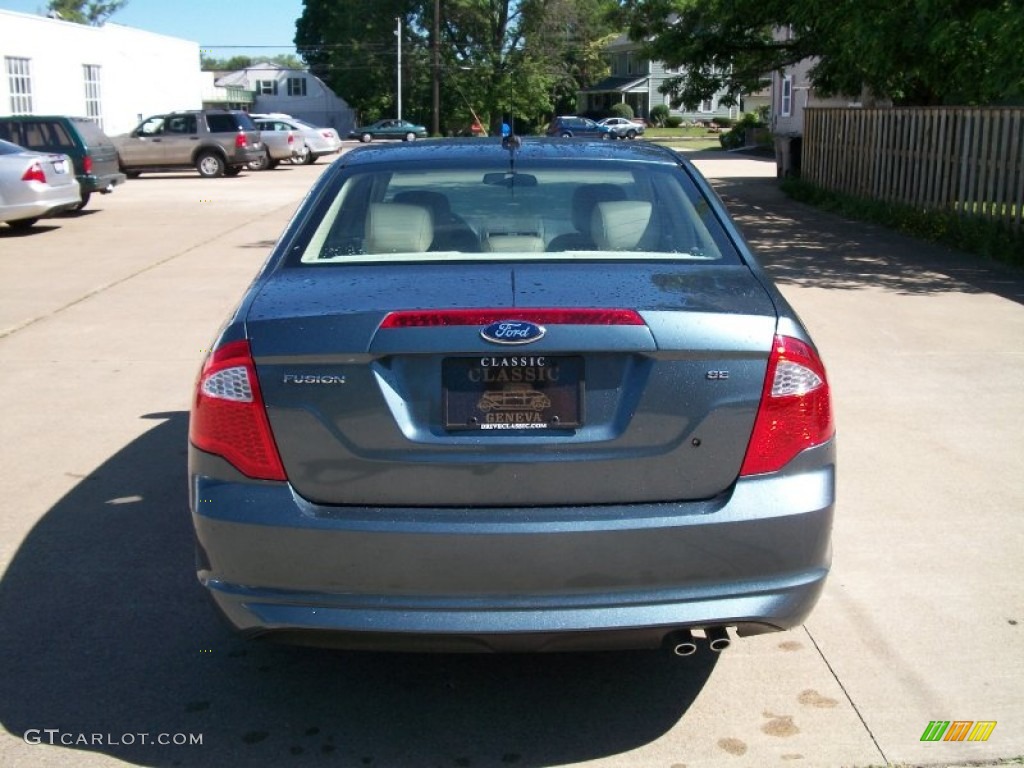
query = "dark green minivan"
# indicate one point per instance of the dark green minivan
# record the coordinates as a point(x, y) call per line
point(92, 152)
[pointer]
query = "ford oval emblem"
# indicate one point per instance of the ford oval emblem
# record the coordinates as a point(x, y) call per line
point(513, 332)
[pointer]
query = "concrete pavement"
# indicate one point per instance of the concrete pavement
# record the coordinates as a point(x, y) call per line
point(103, 319)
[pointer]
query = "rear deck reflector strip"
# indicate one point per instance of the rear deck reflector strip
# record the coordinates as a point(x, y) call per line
point(453, 317)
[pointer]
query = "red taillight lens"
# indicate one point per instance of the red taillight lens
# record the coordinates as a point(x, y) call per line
point(291, 139)
point(87, 164)
point(228, 415)
point(795, 411)
point(240, 141)
point(443, 317)
point(34, 173)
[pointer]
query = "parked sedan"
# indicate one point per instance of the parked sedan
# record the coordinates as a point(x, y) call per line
point(515, 395)
point(623, 128)
point(389, 129)
point(35, 185)
point(317, 142)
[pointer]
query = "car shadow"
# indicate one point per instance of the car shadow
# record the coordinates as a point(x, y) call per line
point(39, 228)
point(802, 245)
point(110, 643)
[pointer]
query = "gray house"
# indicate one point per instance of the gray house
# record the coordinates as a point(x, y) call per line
point(296, 92)
point(637, 81)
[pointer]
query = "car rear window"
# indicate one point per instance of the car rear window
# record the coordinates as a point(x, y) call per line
point(91, 133)
point(553, 211)
point(230, 123)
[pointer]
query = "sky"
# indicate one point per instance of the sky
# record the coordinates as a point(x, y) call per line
point(223, 28)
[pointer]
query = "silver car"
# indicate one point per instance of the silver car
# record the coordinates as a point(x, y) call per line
point(35, 185)
point(512, 395)
point(315, 142)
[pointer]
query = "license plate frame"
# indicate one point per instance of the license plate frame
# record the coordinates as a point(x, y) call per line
point(512, 393)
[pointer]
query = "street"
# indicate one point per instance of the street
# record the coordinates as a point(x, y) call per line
point(104, 318)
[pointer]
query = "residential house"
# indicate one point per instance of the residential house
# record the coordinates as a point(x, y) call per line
point(295, 92)
point(637, 81)
point(114, 74)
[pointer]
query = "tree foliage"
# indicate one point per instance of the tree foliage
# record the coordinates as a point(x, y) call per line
point(92, 12)
point(915, 52)
point(213, 64)
point(498, 58)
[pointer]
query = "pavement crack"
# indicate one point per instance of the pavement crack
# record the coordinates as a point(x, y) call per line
point(846, 693)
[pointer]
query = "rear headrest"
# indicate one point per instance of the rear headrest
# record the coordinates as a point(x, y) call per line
point(396, 228)
point(618, 226)
point(435, 202)
point(586, 197)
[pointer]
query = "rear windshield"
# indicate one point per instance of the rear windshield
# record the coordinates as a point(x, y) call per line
point(91, 133)
point(230, 123)
point(550, 210)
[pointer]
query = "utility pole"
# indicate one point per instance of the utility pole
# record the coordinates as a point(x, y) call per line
point(398, 34)
point(435, 127)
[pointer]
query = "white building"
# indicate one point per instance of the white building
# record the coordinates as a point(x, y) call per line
point(295, 92)
point(111, 73)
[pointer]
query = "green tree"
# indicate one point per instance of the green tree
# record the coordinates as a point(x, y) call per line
point(93, 12)
point(497, 57)
point(915, 52)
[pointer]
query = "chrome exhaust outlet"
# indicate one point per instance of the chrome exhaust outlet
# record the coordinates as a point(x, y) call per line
point(718, 638)
point(681, 643)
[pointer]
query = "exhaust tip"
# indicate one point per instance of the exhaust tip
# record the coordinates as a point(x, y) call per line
point(681, 643)
point(718, 639)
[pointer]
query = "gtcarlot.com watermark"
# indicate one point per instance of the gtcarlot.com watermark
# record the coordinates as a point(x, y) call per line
point(56, 736)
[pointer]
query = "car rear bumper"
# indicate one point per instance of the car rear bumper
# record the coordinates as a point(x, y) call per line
point(515, 579)
point(101, 182)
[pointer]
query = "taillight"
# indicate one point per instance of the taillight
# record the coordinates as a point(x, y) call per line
point(291, 139)
point(87, 164)
point(240, 141)
point(228, 415)
point(34, 173)
point(795, 411)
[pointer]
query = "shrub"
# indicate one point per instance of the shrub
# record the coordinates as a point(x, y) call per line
point(972, 234)
point(673, 121)
point(622, 110)
point(722, 122)
point(659, 115)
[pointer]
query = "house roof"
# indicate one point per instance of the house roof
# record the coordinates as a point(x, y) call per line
point(617, 84)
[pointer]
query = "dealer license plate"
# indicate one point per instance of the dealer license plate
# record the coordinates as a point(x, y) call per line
point(513, 392)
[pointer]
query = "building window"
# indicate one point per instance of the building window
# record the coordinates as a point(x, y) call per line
point(266, 87)
point(93, 99)
point(296, 86)
point(787, 96)
point(19, 83)
point(707, 105)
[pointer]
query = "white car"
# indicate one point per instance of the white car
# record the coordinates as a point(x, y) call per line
point(318, 141)
point(35, 185)
point(623, 128)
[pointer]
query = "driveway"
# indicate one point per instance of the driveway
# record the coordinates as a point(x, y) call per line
point(109, 644)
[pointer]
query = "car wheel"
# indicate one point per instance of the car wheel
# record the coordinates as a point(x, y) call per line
point(565, 135)
point(85, 201)
point(302, 157)
point(210, 165)
point(310, 158)
point(606, 136)
point(21, 223)
point(631, 134)
point(410, 136)
point(366, 138)
point(262, 163)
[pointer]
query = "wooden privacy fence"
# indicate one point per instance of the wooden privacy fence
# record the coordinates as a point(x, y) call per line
point(960, 159)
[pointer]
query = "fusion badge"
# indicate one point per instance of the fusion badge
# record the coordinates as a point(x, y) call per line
point(513, 332)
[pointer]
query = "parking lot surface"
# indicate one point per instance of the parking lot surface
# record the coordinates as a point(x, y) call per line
point(110, 647)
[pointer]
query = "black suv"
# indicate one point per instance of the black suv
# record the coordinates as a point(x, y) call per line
point(81, 139)
point(216, 142)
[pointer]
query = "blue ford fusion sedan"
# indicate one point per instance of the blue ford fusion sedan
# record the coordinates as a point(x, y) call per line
point(519, 395)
